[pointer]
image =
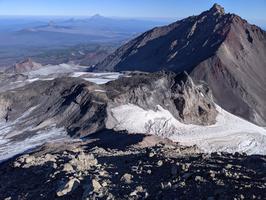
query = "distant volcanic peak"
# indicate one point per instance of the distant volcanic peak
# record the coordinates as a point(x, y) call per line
point(51, 23)
point(97, 16)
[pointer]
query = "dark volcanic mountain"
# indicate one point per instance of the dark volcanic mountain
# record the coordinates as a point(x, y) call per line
point(221, 49)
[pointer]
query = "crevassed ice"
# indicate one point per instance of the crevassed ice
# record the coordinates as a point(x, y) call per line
point(230, 133)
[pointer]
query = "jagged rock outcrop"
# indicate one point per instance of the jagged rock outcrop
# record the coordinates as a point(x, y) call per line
point(189, 103)
point(221, 49)
point(83, 108)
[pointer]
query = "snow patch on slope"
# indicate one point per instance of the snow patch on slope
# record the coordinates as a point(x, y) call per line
point(10, 147)
point(15, 140)
point(230, 133)
point(54, 69)
point(50, 72)
point(98, 78)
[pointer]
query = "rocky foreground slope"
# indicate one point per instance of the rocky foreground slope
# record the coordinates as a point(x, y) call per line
point(219, 48)
point(121, 166)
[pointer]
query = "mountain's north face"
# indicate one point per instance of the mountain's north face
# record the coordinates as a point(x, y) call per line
point(219, 48)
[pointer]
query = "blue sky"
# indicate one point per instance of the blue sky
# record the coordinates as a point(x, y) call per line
point(249, 9)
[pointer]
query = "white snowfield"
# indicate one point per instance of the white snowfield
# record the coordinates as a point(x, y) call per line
point(13, 143)
point(10, 147)
point(98, 78)
point(230, 133)
point(50, 72)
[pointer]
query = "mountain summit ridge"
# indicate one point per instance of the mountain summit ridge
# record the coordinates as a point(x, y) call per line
point(183, 30)
point(217, 8)
point(219, 48)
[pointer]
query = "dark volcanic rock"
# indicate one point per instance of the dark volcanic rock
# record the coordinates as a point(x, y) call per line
point(173, 172)
point(186, 101)
point(177, 47)
point(221, 49)
point(82, 107)
point(64, 102)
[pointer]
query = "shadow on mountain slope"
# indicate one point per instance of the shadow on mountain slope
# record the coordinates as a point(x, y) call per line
point(110, 139)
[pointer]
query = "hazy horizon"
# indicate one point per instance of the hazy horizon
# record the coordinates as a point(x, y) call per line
point(127, 9)
point(167, 10)
point(258, 22)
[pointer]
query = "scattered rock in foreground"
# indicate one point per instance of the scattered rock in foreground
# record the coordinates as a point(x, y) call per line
point(164, 171)
point(68, 187)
